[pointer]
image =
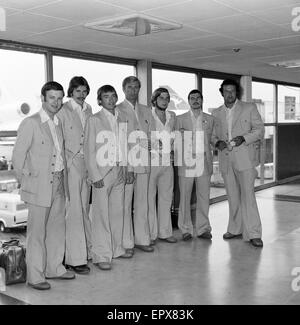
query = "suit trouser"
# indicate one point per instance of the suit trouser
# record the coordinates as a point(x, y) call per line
point(160, 182)
point(107, 217)
point(202, 206)
point(141, 213)
point(45, 245)
point(128, 237)
point(78, 224)
point(243, 211)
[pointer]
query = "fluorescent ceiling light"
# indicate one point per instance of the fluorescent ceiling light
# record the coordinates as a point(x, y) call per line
point(133, 25)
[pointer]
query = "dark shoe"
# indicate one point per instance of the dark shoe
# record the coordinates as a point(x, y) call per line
point(256, 242)
point(105, 266)
point(170, 239)
point(40, 286)
point(69, 275)
point(152, 242)
point(187, 236)
point(126, 254)
point(80, 269)
point(206, 235)
point(229, 235)
point(129, 251)
point(145, 248)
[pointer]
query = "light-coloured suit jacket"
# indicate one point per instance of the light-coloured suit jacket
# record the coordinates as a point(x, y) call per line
point(34, 160)
point(248, 123)
point(95, 124)
point(73, 133)
point(184, 122)
point(141, 120)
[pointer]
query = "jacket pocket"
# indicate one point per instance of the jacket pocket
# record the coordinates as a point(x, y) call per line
point(29, 180)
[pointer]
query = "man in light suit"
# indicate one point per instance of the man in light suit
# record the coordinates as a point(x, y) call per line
point(237, 133)
point(195, 121)
point(40, 166)
point(139, 117)
point(73, 116)
point(161, 180)
point(101, 143)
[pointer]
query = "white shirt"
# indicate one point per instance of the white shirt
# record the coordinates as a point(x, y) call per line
point(80, 110)
point(59, 163)
point(229, 118)
point(113, 122)
point(197, 126)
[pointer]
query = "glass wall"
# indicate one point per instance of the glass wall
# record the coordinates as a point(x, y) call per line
point(212, 98)
point(179, 85)
point(96, 73)
point(288, 104)
point(21, 79)
point(263, 95)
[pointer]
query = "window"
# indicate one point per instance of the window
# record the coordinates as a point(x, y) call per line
point(96, 73)
point(288, 104)
point(263, 95)
point(179, 85)
point(21, 79)
point(212, 98)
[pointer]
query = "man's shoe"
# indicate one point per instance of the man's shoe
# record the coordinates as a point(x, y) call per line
point(79, 269)
point(145, 248)
point(256, 242)
point(40, 286)
point(229, 235)
point(170, 239)
point(69, 275)
point(152, 242)
point(105, 266)
point(205, 235)
point(187, 236)
point(126, 254)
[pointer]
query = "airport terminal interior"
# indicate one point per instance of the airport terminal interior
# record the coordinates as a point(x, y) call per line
point(180, 45)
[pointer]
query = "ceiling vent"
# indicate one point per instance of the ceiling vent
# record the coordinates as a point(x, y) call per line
point(287, 64)
point(133, 25)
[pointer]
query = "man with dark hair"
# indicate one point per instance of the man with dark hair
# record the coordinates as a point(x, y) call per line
point(195, 121)
point(101, 143)
point(161, 176)
point(139, 118)
point(237, 133)
point(40, 166)
point(73, 116)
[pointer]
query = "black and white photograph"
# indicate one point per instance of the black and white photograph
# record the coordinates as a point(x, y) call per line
point(150, 155)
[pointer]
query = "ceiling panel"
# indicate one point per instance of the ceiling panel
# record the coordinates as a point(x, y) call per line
point(144, 5)
point(230, 24)
point(80, 11)
point(26, 4)
point(34, 23)
point(282, 15)
point(280, 42)
point(254, 5)
point(193, 11)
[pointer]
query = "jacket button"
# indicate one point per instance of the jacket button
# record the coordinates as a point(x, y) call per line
point(52, 164)
point(51, 182)
point(54, 156)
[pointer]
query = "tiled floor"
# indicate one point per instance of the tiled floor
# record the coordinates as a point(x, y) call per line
point(197, 272)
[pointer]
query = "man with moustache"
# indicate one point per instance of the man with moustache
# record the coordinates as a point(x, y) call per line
point(195, 120)
point(139, 117)
point(161, 176)
point(40, 167)
point(237, 131)
point(73, 116)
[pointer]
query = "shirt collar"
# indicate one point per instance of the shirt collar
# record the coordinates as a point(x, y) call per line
point(232, 108)
point(75, 105)
point(193, 115)
point(168, 115)
point(130, 104)
point(45, 117)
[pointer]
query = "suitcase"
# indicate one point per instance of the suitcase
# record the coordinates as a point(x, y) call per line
point(12, 260)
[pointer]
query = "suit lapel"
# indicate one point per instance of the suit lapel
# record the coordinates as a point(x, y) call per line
point(104, 120)
point(46, 131)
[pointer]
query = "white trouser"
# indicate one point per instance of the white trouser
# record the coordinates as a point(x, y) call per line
point(45, 243)
point(202, 206)
point(160, 184)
